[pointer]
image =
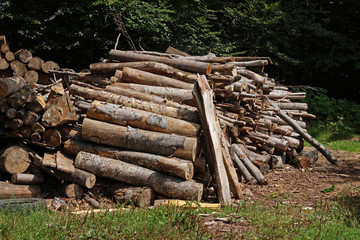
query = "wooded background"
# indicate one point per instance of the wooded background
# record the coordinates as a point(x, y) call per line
point(311, 42)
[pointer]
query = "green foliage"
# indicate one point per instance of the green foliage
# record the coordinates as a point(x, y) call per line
point(329, 190)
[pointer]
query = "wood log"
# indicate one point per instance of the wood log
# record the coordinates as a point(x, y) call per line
point(243, 170)
point(27, 179)
point(36, 137)
point(191, 66)
point(222, 67)
point(141, 77)
point(5, 48)
point(23, 55)
point(52, 137)
point(16, 123)
point(8, 190)
point(2, 39)
point(37, 127)
point(91, 94)
point(173, 166)
point(172, 50)
point(11, 113)
point(30, 118)
point(35, 64)
point(81, 177)
point(25, 131)
point(139, 140)
point(14, 159)
point(211, 128)
point(21, 113)
point(38, 105)
point(49, 65)
point(29, 93)
point(4, 106)
point(141, 119)
point(16, 100)
point(74, 190)
point(59, 108)
point(174, 94)
point(139, 176)
point(92, 202)
point(292, 106)
point(138, 196)
point(252, 63)
point(4, 64)
point(10, 85)
point(31, 77)
point(254, 76)
point(18, 68)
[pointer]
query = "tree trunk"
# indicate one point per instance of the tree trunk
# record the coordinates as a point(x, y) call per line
point(27, 179)
point(174, 94)
point(141, 77)
point(211, 128)
point(19, 68)
point(14, 159)
point(191, 66)
point(91, 94)
point(4, 64)
point(10, 85)
point(141, 119)
point(23, 55)
point(35, 64)
point(74, 190)
point(139, 176)
point(31, 77)
point(139, 140)
point(8, 190)
point(16, 100)
point(173, 166)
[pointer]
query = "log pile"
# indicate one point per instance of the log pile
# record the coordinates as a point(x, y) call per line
point(151, 122)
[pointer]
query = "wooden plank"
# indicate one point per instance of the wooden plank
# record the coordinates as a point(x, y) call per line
point(49, 160)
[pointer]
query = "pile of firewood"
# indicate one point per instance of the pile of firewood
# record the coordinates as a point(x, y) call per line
point(171, 124)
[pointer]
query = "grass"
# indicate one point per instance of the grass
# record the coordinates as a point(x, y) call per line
point(253, 220)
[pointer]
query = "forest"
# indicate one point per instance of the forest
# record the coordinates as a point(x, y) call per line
point(312, 43)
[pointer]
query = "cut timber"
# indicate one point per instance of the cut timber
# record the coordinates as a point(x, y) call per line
point(10, 113)
point(327, 154)
point(64, 163)
point(174, 94)
point(254, 76)
point(4, 64)
point(10, 85)
point(38, 105)
point(139, 140)
point(35, 64)
point(173, 166)
point(210, 125)
point(8, 190)
point(139, 196)
point(52, 137)
point(249, 165)
point(23, 55)
point(36, 137)
point(243, 170)
point(37, 127)
point(49, 160)
point(26, 179)
point(19, 68)
point(74, 190)
point(59, 108)
point(49, 65)
point(139, 176)
point(5, 48)
point(31, 77)
point(30, 118)
point(141, 77)
point(16, 100)
point(181, 203)
point(92, 94)
point(29, 93)
point(141, 119)
point(172, 50)
point(186, 65)
point(14, 159)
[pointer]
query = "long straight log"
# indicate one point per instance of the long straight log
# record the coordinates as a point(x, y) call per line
point(26, 179)
point(141, 77)
point(92, 94)
point(173, 166)
point(141, 119)
point(327, 154)
point(191, 66)
point(139, 140)
point(139, 176)
point(10, 85)
point(243, 170)
point(177, 95)
point(8, 190)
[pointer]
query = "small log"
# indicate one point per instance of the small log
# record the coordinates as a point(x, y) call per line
point(4, 64)
point(141, 119)
point(36, 137)
point(139, 196)
point(25, 131)
point(74, 190)
point(38, 105)
point(10, 85)
point(186, 65)
point(64, 163)
point(5, 48)
point(254, 76)
point(23, 55)
point(37, 127)
point(49, 65)
point(19, 68)
point(222, 67)
point(10, 56)
point(173, 166)
point(92, 94)
point(35, 64)
point(30, 118)
point(14, 159)
point(16, 123)
point(139, 140)
point(92, 202)
point(11, 113)
point(8, 190)
point(52, 137)
point(243, 170)
point(31, 77)
point(27, 179)
point(16, 100)
point(141, 77)
point(211, 128)
point(139, 176)
point(29, 93)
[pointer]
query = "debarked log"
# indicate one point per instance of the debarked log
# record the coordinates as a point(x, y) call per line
point(139, 176)
point(10, 85)
point(139, 140)
point(8, 190)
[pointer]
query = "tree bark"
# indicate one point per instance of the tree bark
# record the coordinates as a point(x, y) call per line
point(10, 85)
point(139, 140)
point(243, 170)
point(8, 190)
point(141, 119)
point(139, 176)
point(27, 179)
point(92, 94)
point(173, 166)
point(191, 66)
point(211, 128)
point(14, 159)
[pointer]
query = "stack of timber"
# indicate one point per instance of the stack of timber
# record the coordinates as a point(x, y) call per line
point(159, 125)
